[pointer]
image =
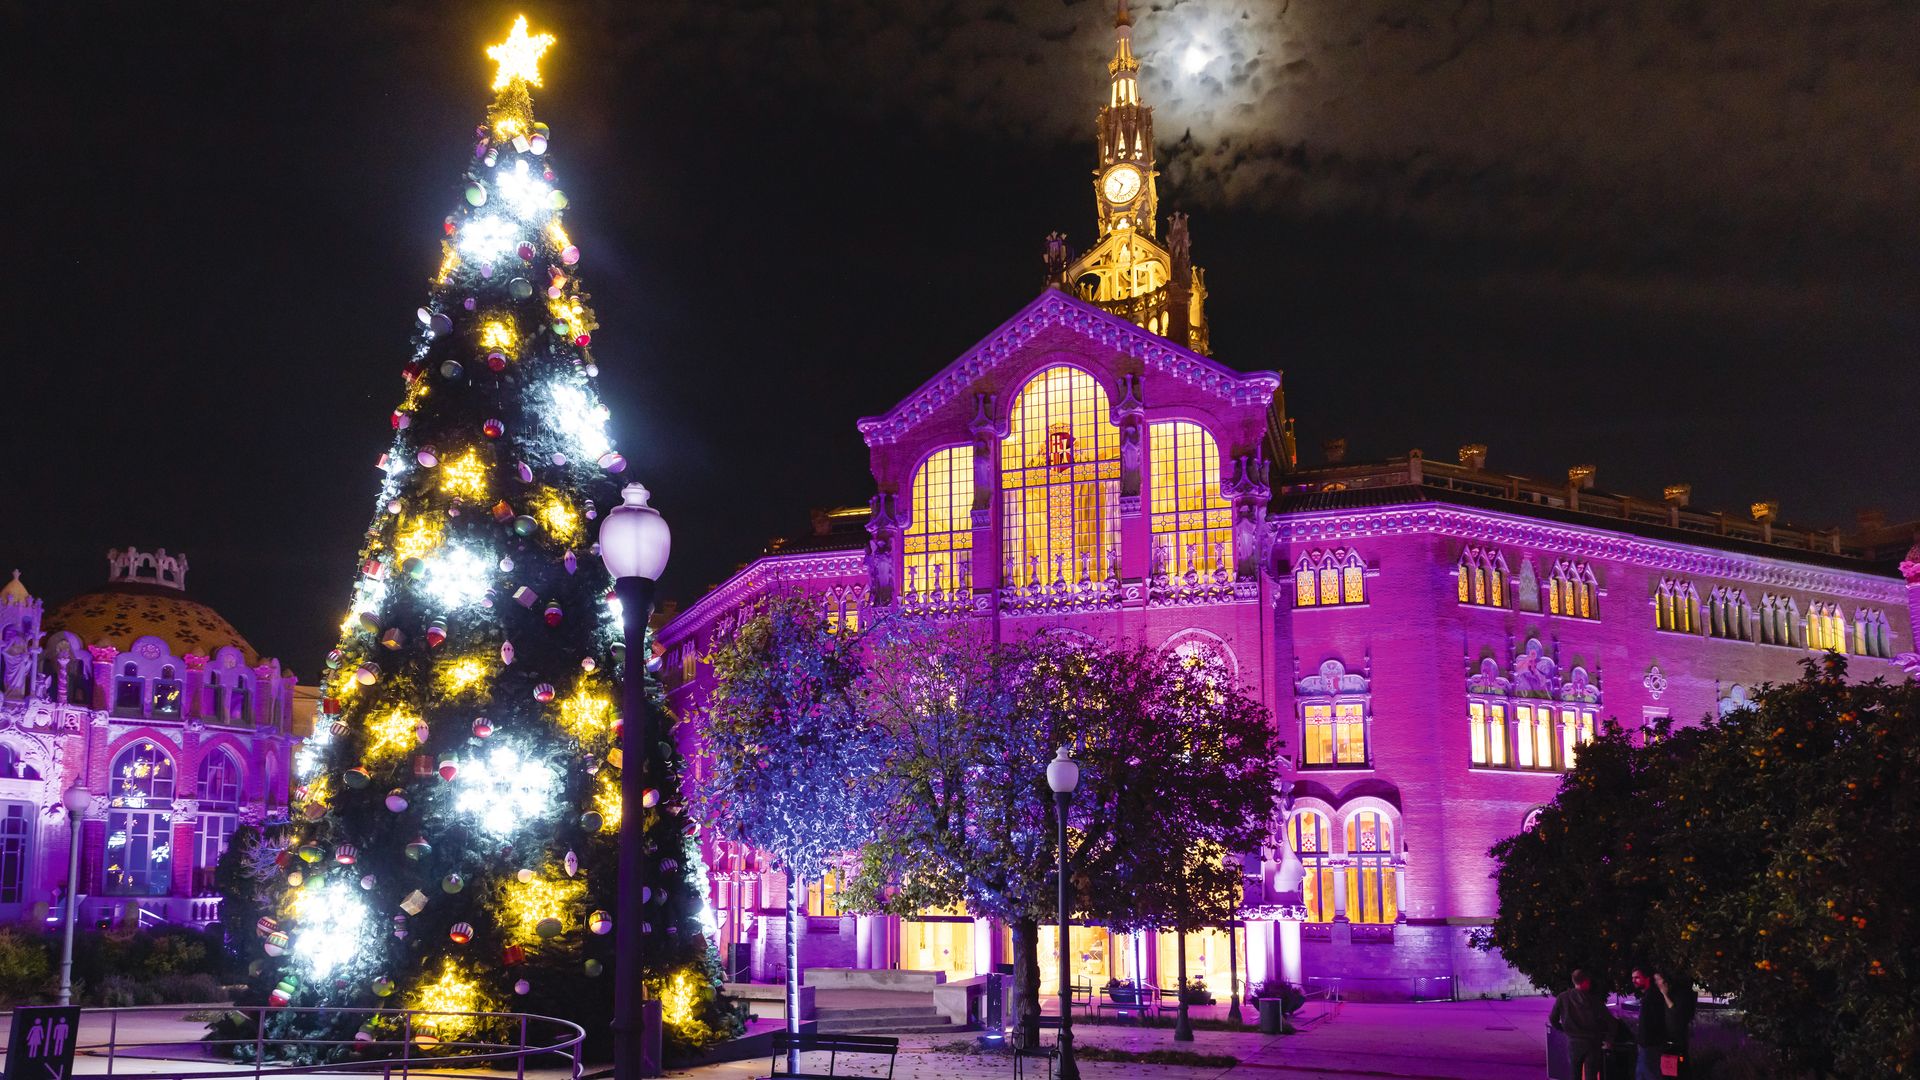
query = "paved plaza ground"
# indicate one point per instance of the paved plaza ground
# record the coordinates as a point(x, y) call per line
point(1471, 1040)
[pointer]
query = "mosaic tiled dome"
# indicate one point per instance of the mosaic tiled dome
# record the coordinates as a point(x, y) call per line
point(122, 613)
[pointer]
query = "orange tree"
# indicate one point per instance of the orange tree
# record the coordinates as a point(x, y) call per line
point(1770, 854)
point(1789, 869)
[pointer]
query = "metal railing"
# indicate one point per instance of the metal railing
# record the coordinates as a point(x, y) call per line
point(417, 1052)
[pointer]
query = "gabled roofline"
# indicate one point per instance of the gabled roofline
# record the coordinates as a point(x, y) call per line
point(1056, 308)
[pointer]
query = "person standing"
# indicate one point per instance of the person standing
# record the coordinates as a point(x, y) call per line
point(1650, 1034)
point(1581, 1013)
point(1678, 996)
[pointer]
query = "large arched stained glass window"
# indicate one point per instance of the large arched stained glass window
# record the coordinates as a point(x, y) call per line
point(939, 539)
point(1192, 521)
point(1060, 470)
point(1312, 839)
point(218, 798)
point(139, 833)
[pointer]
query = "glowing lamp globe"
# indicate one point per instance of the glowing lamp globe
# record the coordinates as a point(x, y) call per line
point(1063, 773)
point(634, 539)
point(76, 799)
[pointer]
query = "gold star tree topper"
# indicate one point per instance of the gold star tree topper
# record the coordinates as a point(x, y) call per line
point(519, 56)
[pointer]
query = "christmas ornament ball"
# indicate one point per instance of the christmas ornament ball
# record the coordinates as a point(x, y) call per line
point(276, 944)
point(543, 693)
point(591, 821)
point(520, 288)
point(476, 194)
point(522, 986)
point(451, 369)
point(600, 922)
point(536, 144)
point(525, 251)
point(524, 525)
point(523, 875)
point(368, 881)
point(382, 985)
point(461, 933)
point(356, 777)
point(482, 727)
point(548, 927)
point(452, 883)
point(497, 361)
point(310, 853)
point(400, 927)
point(367, 674)
point(493, 428)
point(570, 254)
point(594, 968)
point(449, 768)
point(418, 848)
point(346, 854)
point(440, 324)
point(397, 801)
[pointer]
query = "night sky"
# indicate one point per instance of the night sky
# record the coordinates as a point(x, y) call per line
point(1680, 240)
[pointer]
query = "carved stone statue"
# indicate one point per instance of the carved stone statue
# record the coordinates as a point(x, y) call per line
point(880, 549)
point(1246, 542)
point(16, 662)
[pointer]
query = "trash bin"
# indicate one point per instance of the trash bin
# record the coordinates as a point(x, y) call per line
point(1272, 1015)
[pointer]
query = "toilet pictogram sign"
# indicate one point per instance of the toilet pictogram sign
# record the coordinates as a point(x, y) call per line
point(41, 1044)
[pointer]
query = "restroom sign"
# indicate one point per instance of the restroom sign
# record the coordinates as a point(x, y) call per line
point(40, 1046)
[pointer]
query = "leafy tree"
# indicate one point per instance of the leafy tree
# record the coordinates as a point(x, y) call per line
point(1791, 870)
point(1196, 770)
point(1576, 890)
point(796, 770)
point(1176, 767)
point(1770, 854)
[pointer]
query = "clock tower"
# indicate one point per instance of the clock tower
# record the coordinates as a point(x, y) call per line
point(1130, 271)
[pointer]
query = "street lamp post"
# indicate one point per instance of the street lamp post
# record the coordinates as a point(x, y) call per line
point(1234, 1017)
point(634, 541)
point(77, 800)
point(1063, 775)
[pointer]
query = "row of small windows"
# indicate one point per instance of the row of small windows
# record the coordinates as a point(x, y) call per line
point(1484, 581)
point(1060, 468)
point(1543, 736)
point(1727, 614)
point(137, 696)
point(1328, 578)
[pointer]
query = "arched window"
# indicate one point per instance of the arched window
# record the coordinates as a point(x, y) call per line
point(1570, 591)
point(1779, 619)
point(1060, 471)
point(1192, 521)
point(1826, 628)
point(1330, 578)
point(13, 767)
point(1728, 614)
point(939, 539)
point(1312, 839)
point(166, 693)
point(1372, 895)
point(1533, 735)
point(1483, 577)
point(1576, 731)
point(1871, 635)
point(129, 692)
point(1675, 606)
point(218, 793)
point(140, 789)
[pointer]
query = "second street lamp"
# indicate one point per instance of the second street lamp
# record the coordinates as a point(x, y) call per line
point(1063, 775)
point(634, 541)
point(77, 799)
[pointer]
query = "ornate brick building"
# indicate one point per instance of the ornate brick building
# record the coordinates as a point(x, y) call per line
point(1436, 639)
point(155, 705)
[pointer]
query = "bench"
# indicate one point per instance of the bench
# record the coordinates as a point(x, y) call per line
point(833, 1045)
point(1137, 1000)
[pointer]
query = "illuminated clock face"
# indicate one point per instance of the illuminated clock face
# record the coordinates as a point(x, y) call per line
point(1122, 183)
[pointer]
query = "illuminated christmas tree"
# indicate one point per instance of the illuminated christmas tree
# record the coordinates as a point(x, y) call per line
point(453, 841)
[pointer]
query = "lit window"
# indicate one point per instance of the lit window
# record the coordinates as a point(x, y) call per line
point(1728, 614)
point(823, 896)
point(1330, 578)
point(1675, 606)
point(139, 850)
point(1576, 730)
point(1336, 733)
point(1488, 737)
point(939, 539)
point(1826, 628)
point(1312, 838)
point(1571, 590)
point(1371, 892)
point(1192, 521)
point(1871, 634)
point(1533, 736)
point(1060, 470)
point(1483, 577)
point(1779, 618)
point(218, 801)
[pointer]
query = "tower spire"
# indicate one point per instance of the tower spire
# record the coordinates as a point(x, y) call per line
point(1130, 272)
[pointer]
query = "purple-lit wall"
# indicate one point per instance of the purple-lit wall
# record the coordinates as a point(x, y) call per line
point(1409, 648)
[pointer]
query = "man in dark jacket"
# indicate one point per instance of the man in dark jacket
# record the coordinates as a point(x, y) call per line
point(1650, 1035)
point(1582, 1014)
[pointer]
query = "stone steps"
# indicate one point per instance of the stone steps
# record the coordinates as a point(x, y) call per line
point(897, 1020)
